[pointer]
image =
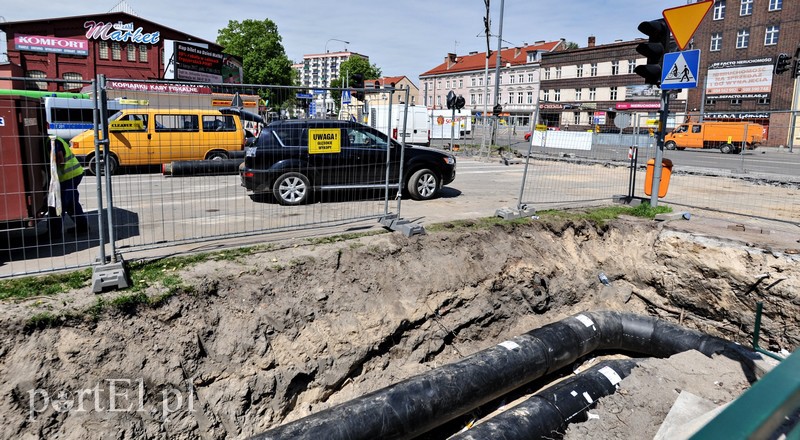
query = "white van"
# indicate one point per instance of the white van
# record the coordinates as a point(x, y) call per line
point(417, 131)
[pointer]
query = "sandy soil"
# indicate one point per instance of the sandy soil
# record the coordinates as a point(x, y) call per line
point(271, 337)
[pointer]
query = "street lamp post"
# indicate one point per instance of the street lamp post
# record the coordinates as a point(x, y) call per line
point(327, 83)
point(334, 39)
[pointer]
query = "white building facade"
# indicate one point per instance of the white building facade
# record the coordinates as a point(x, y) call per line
point(519, 81)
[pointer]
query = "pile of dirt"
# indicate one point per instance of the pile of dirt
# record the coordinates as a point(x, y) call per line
point(275, 336)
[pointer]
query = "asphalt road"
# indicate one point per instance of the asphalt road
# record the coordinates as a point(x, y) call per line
point(767, 161)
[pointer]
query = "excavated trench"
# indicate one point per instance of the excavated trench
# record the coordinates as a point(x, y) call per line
point(268, 338)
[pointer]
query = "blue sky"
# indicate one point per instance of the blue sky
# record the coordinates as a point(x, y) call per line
point(401, 37)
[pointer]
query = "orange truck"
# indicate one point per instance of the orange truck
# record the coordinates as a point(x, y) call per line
point(729, 137)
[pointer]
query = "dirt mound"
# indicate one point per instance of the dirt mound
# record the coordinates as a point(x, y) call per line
point(271, 337)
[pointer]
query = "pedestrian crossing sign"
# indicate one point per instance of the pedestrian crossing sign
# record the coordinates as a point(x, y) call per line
point(679, 70)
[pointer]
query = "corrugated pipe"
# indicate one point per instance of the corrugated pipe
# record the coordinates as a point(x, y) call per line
point(547, 413)
point(423, 402)
point(201, 167)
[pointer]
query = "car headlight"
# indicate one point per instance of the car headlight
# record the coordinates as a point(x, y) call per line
point(250, 151)
point(450, 160)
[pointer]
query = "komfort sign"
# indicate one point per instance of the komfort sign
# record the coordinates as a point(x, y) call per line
point(38, 43)
point(119, 32)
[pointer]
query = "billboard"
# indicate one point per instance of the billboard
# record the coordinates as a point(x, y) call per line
point(644, 92)
point(740, 79)
point(193, 63)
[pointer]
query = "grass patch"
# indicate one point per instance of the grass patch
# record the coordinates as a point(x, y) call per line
point(44, 285)
point(600, 216)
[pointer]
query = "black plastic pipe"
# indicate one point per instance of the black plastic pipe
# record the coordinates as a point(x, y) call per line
point(547, 413)
point(423, 402)
point(201, 167)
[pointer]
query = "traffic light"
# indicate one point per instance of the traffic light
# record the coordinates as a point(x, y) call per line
point(796, 70)
point(657, 45)
point(460, 102)
point(357, 82)
point(451, 100)
point(782, 63)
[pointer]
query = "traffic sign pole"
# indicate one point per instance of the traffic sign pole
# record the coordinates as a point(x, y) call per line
point(659, 149)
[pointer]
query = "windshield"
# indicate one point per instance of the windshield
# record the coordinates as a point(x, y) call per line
point(115, 116)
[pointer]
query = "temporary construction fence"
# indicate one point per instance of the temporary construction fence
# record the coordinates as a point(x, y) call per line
point(150, 200)
point(569, 168)
point(172, 170)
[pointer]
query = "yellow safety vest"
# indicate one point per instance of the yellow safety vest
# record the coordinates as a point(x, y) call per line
point(71, 168)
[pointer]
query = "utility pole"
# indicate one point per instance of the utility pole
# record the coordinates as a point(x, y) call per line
point(487, 26)
point(496, 114)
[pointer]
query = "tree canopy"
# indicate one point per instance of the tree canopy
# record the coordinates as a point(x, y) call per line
point(353, 65)
point(259, 46)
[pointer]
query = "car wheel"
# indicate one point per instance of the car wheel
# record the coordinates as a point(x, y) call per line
point(217, 155)
point(670, 145)
point(291, 189)
point(726, 148)
point(113, 164)
point(423, 185)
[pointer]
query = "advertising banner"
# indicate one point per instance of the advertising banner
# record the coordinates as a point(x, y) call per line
point(66, 46)
point(194, 63)
point(740, 79)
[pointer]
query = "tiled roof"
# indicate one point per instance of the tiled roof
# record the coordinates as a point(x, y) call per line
point(476, 61)
point(385, 80)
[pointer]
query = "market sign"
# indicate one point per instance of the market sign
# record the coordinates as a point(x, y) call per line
point(740, 79)
point(37, 43)
point(120, 32)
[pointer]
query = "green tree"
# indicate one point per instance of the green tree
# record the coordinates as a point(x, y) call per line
point(572, 45)
point(352, 66)
point(259, 46)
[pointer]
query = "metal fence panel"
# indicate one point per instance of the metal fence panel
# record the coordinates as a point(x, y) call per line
point(29, 242)
point(187, 186)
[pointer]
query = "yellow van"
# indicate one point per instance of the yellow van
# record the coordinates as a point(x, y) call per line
point(159, 136)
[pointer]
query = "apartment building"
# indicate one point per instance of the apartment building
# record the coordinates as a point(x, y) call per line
point(739, 42)
point(467, 75)
point(318, 70)
point(584, 88)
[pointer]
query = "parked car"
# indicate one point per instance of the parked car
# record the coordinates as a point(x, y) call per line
point(294, 159)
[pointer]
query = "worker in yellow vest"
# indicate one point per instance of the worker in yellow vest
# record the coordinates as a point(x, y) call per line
point(70, 174)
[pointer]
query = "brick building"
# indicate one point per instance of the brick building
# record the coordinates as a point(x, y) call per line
point(739, 42)
point(116, 44)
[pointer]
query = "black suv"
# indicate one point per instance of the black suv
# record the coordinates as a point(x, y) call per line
point(292, 159)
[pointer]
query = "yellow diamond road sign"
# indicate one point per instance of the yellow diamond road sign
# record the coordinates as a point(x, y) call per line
point(684, 20)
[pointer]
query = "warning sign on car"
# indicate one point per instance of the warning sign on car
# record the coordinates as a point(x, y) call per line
point(324, 140)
